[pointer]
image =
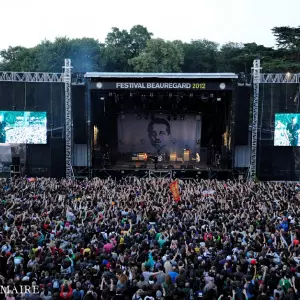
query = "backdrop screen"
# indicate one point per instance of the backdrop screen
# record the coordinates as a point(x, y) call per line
point(287, 130)
point(23, 127)
point(158, 134)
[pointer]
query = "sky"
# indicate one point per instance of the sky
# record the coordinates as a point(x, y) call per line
point(26, 23)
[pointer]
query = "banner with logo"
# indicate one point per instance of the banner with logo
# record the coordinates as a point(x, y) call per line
point(174, 187)
point(197, 85)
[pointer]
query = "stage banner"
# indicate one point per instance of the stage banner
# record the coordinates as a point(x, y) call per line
point(157, 135)
point(190, 86)
point(175, 191)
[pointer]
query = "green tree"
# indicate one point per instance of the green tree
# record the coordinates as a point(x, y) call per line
point(139, 37)
point(50, 55)
point(200, 56)
point(117, 50)
point(227, 58)
point(135, 50)
point(86, 55)
point(234, 57)
point(18, 59)
point(287, 56)
point(287, 37)
point(159, 56)
point(121, 46)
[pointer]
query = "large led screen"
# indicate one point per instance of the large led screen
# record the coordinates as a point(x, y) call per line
point(23, 127)
point(287, 129)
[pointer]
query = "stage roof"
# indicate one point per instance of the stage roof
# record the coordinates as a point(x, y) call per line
point(162, 75)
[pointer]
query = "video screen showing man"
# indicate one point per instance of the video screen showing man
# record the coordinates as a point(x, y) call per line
point(159, 131)
point(293, 131)
point(3, 125)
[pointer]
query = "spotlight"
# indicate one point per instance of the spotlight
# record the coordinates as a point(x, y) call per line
point(181, 117)
point(222, 86)
point(219, 99)
point(99, 85)
point(191, 95)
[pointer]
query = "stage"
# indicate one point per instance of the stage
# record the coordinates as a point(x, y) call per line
point(97, 119)
point(145, 123)
point(209, 173)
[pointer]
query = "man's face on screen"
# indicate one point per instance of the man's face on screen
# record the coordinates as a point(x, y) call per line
point(159, 135)
point(294, 120)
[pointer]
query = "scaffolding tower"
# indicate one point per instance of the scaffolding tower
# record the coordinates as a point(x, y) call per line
point(68, 117)
point(256, 81)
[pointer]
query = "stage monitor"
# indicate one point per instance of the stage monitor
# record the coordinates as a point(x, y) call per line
point(23, 127)
point(287, 129)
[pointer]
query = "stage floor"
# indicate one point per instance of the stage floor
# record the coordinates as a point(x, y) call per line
point(120, 165)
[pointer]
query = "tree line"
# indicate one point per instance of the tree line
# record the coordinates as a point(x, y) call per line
point(137, 51)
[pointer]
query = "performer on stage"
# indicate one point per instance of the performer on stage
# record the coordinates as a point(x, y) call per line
point(293, 130)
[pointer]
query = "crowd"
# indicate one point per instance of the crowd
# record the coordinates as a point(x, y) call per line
point(128, 239)
point(31, 134)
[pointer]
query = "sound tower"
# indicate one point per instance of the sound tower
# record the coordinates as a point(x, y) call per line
point(79, 117)
point(242, 115)
point(58, 160)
